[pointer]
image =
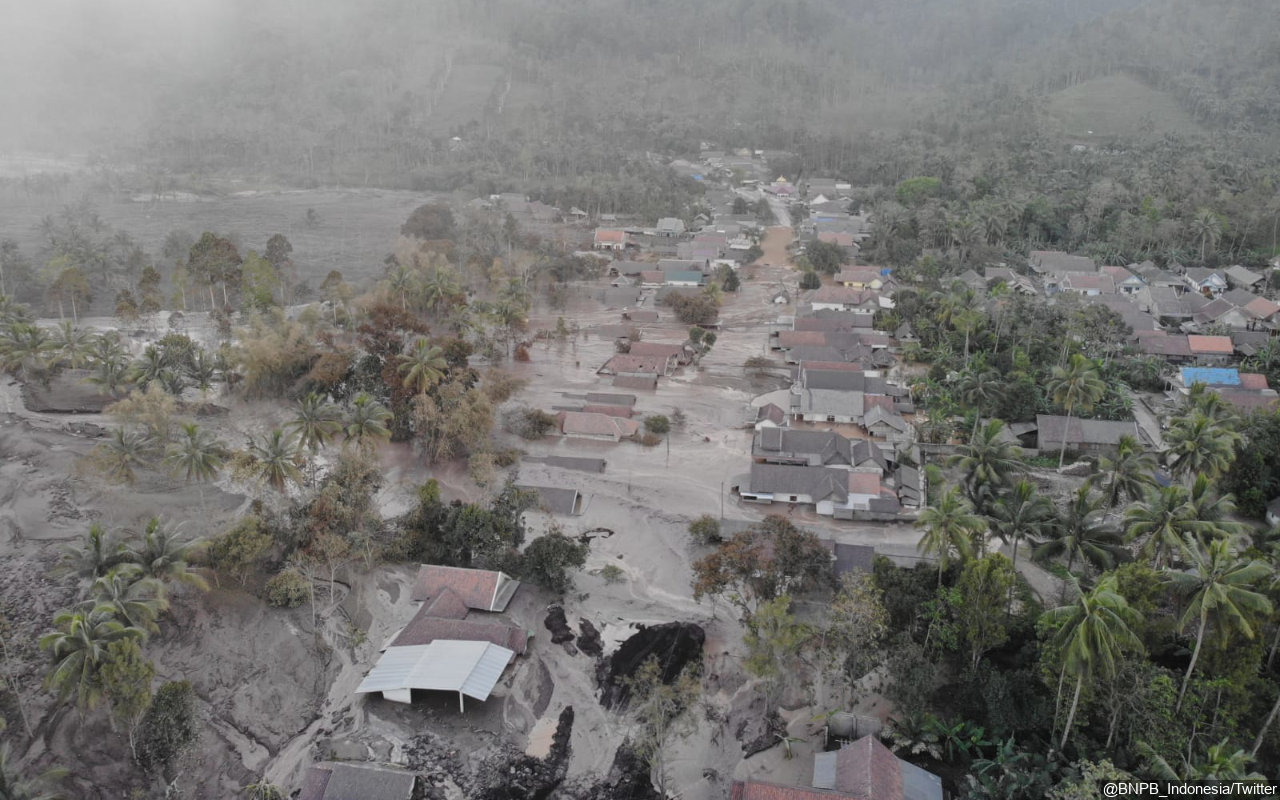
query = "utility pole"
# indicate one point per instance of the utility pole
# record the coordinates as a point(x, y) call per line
point(722, 501)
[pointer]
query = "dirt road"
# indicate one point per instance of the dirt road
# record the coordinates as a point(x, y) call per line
point(776, 241)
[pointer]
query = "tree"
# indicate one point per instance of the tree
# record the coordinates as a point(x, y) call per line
point(984, 584)
point(659, 710)
point(770, 558)
point(705, 530)
point(1196, 444)
point(740, 206)
point(262, 790)
point(1218, 586)
point(165, 553)
point(980, 390)
point(275, 458)
point(241, 548)
point(260, 283)
point(1129, 473)
point(14, 786)
point(366, 422)
point(986, 463)
point(126, 681)
point(856, 630)
point(774, 639)
point(1075, 387)
point(94, 556)
point(22, 347)
point(71, 286)
point(168, 728)
point(825, 257)
point(1021, 514)
point(1207, 227)
point(315, 421)
point(657, 424)
point(1092, 635)
point(1160, 522)
point(124, 452)
point(214, 261)
point(78, 646)
point(951, 529)
point(422, 366)
point(810, 280)
point(430, 221)
point(1083, 532)
point(197, 454)
point(129, 595)
point(547, 560)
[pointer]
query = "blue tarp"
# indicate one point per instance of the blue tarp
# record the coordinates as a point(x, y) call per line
point(1211, 376)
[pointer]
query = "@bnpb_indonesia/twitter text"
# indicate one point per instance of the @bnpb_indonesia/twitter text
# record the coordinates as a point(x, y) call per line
point(1157, 789)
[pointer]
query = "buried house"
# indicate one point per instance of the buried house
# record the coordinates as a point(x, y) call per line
point(444, 647)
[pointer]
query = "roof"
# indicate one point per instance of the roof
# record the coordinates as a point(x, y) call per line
point(569, 462)
point(446, 605)
point(611, 399)
point(831, 237)
point(1247, 402)
point(1090, 282)
point(470, 668)
point(640, 316)
point(758, 790)
point(659, 349)
point(613, 411)
point(609, 236)
point(555, 499)
point(1215, 310)
point(1164, 345)
point(1059, 262)
point(864, 483)
point(859, 274)
point(636, 381)
point(1210, 345)
point(1242, 276)
point(1218, 376)
point(1262, 308)
point(850, 557)
point(426, 628)
point(1274, 505)
point(831, 402)
point(1253, 380)
point(1082, 431)
point(630, 363)
point(879, 414)
point(771, 412)
point(789, 339)
point(844, 296)
point(331, 781)
point(684, 276)
point(819, 483)
point(1118, 274)
point(587, 424)
point(1202, 275)
point(480, 589)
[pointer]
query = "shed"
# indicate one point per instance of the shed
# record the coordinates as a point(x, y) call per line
point(556, 499)
point(471, 669)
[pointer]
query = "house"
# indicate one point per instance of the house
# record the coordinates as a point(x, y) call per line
point(556, 499)
point(653, 279)
point(1210, 349)
point(971, 280)
point(1172, 348)
point(335, 781)
point(611, 399)
point(861, 770)
point(770, 415)
point(681, 353)
point(781, 483)
point(1081, 435)
point(669, 227)
point(816, 449)
point(861, 278)
point(670, 265)
point(1264, 312)
point(1125, 282)
point(1220, 312)
point(1248, 343)
point(1168, 304)
point(646, 382)
point(620, 297)
point(629, 364)
point(691, 278)
point(478, 589)
point(1059, 264)
point(1089, 285)
point(1016, 282)
point(610, 239)
point(841, 298)
point(601, 427)
point(887, 425)
point(1242, 278)
point(1133, 316)
point(470, 668)
point(1205, 281)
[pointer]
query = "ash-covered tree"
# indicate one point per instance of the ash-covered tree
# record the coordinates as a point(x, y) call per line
point(825, 257)
point(659, 709)
point(430, 221)
point(770, 558)
point(810, 280)
point(168, 729)
point(126, 680)
point(547, 561)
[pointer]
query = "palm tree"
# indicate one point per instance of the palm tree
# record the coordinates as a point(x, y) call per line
point(400, 280)
point(978, 390)
point(1221, 765)
point(1160, 522)
point(79, 646)
point(197, 453)
point(149, 367)
point(986, 463)
point(1129, 474)
point(1219, 584)
point(1075, 387)
point(73, 345)
point(13, 786)
point(276, 458)
point(23, 345)
point(202, 369)
point(1093, 633)
point(1213, 405)
point(135, 599)
point(367, 421)
point(440, 288)
point(950, 527)
point(1210, 512)
point(422, 365)
point(165, 554)
point(1022, 514)
point(126, 450)
point(94, 557)
point(1207, 226)
point(1083, 532)
point(1198, 444)
point(315, 422)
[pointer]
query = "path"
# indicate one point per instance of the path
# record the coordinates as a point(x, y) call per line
point(775, 243)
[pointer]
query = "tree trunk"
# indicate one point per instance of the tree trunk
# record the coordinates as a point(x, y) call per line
point(1274, 644)
point(1066, 431)
point(1071, 715)
point(1195, 654)
point(1266, 725)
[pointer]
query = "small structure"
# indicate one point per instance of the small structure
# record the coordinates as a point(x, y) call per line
point(471, 669)
point(333, 781)
point(770, 415)
point(603, 427)
point(1243, 278)
point(1210, 349)
point(1082, 435)
point(610, 239)
point(556, 499)
point(669, 227)
point(861, 770)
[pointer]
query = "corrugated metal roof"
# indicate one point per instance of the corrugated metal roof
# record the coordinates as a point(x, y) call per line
point(1211, 376)
point(824, 770)
point(472, 668)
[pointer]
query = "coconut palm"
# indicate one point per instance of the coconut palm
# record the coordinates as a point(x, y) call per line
point(1093, 633)
point(124, 451)
point(950, 527)
point(1075, 387)
point(400, 281)
point(1210, 512)
point(1198, 444)
point(78, 646)
point(1083, 532)
point(980, 390)
point(135, 599)
point(367, 420)
point(1160, 522)
point(14, 786)
point(1021, 514)
point(23, 346)
point(987, 462)
point(1221, 765)
point(422, 365)
point(202, 369)
point(149, 367)
point(1219, 585)
point(1207, 227)
point(197, 453)
point(440, 288)
point(1129, 474)
point(96, 554)
point(73, 346)
point(276, 458)
point(165, 554)
point(315, 422)
point(1213, 405)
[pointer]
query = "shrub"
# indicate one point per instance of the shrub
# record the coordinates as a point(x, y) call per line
point(612, 573)
point(288, 589)
point(705, 530)
point(810, 280)
point(522, 353)
point(657, 423)
point(650, 439)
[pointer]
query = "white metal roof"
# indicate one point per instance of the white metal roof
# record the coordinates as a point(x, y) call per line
point(472, 668)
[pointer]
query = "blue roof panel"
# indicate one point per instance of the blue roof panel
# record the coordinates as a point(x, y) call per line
point(1211, 376)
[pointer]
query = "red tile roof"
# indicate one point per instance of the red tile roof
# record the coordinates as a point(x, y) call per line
point(1210, 345)
point(1253, 380)
point(789, 339)
point(476, 587)
point(657, 349)
point(447, 605)
point(425, 629)
point(610, 236)
point(868, 769)
point(756, 790)
point(1262, 308)
point(864, 483)
point(629, 363)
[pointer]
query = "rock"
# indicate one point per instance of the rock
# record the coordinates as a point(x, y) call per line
point(569, 648)
point(555, 622)
point(674, 644)
point(765, 730)
point(589, 640)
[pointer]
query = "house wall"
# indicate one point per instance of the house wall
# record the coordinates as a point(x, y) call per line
point(599, 437)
